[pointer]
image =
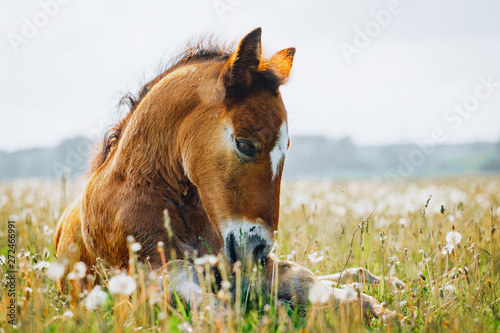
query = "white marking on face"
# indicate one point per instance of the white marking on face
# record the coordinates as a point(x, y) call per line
point(229, 136)
point(279, 150)
point(245, 229)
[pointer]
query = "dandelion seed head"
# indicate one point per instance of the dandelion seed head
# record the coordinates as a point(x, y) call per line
point(185, 327)
point(136, 247)
point(453, 237)
point(403, 222)
point(210, 259)
point(447, 249)
point(319, 293)
point(80, 269)
point(449, 288)
point(122, 284)
point(96, 298)
point(350, 293)
point(41, 265)
point(67, 314)
point(315, 257)
point(55, 271)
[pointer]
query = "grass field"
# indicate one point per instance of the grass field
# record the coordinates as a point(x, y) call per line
point(452, 278)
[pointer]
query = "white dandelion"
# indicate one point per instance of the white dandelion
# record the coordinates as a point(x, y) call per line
point(350, 293)
point(122, 284)
point(319, 293)
point(81, 269)
point(55, 271)
point(96, 298)
point(315, 257)
point(185, 327)
point(210, 259)
point(449, 288)
point(135, 247)
point(42, 265)
point(67, 314)
point(453, 237)
point(447, 249)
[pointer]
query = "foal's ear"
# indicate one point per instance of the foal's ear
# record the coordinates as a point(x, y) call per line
point(281, 63)
point(244, 62)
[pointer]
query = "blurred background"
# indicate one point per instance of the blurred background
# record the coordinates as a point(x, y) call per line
point(388, 89)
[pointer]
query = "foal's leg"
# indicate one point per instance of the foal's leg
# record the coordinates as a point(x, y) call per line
point(358, 275)
point(297, 284)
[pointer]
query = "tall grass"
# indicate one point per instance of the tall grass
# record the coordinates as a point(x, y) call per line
point(323, 225)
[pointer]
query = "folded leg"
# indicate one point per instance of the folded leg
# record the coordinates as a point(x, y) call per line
point(298, 285)
point(358, 275)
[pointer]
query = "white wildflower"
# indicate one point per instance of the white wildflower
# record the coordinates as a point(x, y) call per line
point(319, 293)
point(55, 271)
point(135, 247)
point(3, 261)
point(42, 265)
point(122, 284)
point(96, 298)
point(315, 257)
point(453, 237)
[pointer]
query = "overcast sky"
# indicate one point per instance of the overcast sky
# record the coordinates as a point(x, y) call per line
point(395, 80)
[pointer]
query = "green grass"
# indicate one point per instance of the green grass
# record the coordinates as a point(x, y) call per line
point(316, 216)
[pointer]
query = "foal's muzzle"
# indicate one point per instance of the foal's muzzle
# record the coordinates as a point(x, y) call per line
point(248, 243)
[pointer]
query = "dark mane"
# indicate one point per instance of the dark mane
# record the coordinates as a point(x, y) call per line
point(202, 51)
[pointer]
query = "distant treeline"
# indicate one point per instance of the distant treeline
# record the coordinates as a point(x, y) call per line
point(308, 157)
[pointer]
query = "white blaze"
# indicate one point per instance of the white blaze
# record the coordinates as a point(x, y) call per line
point(279, 150)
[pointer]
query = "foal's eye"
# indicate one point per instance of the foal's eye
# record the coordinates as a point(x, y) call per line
point(245, 149)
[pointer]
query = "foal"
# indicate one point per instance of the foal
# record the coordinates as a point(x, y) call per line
point(205, 142)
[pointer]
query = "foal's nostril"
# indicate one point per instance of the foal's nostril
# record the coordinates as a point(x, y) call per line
point(231, 248)
point(258, 252)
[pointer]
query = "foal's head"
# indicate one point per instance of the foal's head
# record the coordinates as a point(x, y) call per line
point(233, 146)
